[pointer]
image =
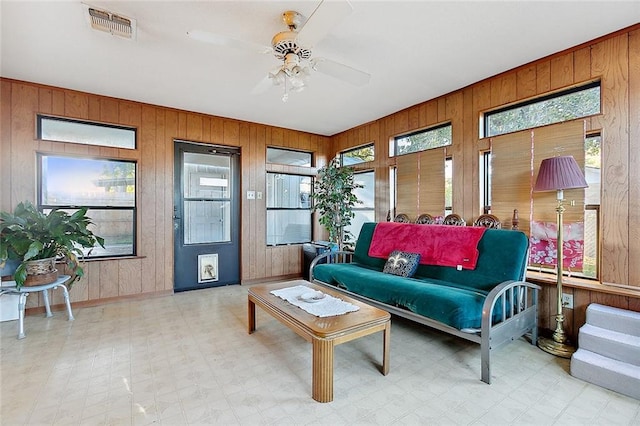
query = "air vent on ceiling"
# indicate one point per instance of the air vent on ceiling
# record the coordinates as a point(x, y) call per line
point(112, 23)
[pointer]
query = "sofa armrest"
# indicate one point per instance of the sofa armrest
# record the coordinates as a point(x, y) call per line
point(519, 302)
point(330, 257)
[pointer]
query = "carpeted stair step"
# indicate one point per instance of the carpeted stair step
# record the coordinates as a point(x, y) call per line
point(612, 344)
point(615, 319)
point(618, 376)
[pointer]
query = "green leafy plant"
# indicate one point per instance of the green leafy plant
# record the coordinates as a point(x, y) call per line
point(28, 234)
point(334, 199)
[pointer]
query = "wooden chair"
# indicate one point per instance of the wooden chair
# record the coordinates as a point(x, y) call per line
point(488, 221)
point(402, 218)
point(425, 219)
point(454, 219)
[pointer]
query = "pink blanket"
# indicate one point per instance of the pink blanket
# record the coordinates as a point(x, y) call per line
point(442, 245)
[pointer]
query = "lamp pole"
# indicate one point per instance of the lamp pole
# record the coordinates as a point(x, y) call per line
point(558, 345)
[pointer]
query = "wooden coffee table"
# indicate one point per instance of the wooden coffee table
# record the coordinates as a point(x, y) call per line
point(323, 333)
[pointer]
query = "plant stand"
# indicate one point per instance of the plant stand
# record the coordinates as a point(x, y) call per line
point(8, 287)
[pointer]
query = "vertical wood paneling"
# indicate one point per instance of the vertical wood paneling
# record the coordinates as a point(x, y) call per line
point(164, 206)
point(170, 134)
point(129, 277)
point(147, 197)
point(543, 77)
point(609, 59)
point(634, 156)
point(109, 110)
point(401, 121)
point(582, 64)
point(526, 82)
point(24, 101)
point(109, 277)
point(76, 105)
point(246, 205)
point(503, 89)
point(57, 102)
point(92, 272)
point(6, 113)
point(562, 71)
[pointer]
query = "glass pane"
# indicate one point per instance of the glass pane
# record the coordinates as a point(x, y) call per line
point(448, 183)
point(592, 170)
point(207, 222)
point(559, 108)
point(366, 194)
point(286, 156)
point(358, 155)
point(70, 181)
point(206, 176)
point(423, 140)
point(58, 130)
point(590, 261)
point(361, 216)
point(288, 191)
point(115, 226)
point(288, 226)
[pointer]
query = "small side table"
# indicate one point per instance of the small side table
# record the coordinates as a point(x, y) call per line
point(9, 287)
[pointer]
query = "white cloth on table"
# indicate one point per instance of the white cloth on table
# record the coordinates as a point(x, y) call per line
point(328, 306)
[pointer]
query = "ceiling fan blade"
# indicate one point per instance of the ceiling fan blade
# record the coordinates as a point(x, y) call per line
point(341, 71)
point(221, 40)
point(264, 85)
point(328, 14)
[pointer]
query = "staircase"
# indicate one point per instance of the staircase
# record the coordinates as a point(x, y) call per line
point(609, 350)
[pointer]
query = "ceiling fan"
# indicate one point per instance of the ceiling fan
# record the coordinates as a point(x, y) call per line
point(294, 48)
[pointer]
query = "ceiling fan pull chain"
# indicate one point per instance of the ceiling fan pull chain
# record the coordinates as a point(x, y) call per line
point(285, 96)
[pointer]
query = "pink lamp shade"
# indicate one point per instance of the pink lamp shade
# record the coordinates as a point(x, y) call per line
point(559, 173)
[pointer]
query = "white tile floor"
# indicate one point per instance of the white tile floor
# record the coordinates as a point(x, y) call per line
point(187, 359)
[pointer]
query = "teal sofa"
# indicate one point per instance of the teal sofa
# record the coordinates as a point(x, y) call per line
point(490, 305)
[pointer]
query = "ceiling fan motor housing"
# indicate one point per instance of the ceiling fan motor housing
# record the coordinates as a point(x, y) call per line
point(285, 42)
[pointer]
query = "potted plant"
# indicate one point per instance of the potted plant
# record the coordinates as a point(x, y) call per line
point(334, 199)
point(28, 235)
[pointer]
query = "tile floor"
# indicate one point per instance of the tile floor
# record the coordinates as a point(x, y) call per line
point(187, 359)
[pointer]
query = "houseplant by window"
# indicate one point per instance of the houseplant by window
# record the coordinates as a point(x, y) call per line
point(334, 199)
point(27, 235)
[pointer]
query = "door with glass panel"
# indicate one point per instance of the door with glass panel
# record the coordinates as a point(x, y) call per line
point(206, 216)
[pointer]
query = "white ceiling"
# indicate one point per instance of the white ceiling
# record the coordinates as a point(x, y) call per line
point(414, 51)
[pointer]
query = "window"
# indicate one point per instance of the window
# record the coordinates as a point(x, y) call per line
point(288, 209)
point(107, 187)
point(510, 170)
point(485, 181)
point(75, 131)
point(448, 186)
point(289, 157)
point(357, 155)
point(592, 174)
point(434, 137)
point(556, 108)
point(364, 212)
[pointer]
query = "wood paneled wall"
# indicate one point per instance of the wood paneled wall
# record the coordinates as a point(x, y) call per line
point(152, 270)
point(615, 61)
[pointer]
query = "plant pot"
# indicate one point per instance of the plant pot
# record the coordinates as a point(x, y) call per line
point(10, 266)
point(41, 271)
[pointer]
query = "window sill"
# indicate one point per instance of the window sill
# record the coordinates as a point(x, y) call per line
point(584, 284)
point(100, 259)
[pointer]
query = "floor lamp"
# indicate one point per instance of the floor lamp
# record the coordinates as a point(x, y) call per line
point(558, 174)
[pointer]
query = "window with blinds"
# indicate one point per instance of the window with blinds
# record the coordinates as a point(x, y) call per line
point(515, 160)
point(420, 183)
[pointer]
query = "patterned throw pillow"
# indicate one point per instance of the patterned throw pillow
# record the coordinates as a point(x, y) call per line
point(402, 263)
